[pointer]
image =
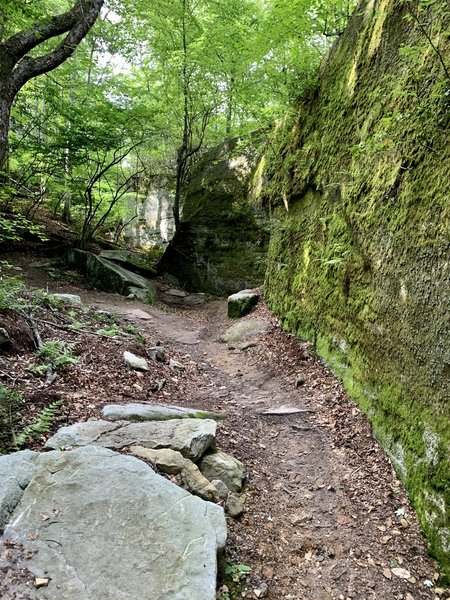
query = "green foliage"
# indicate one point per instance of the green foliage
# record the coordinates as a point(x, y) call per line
point(231, 67)
point(40, 425)
point(55, 354)
point(42, 298)
point(235, 576)
point(12, 293)
point(10, 402)
point(110, 331)
point(13, 227)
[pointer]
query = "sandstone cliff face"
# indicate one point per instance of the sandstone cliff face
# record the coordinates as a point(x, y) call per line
point(221, 244)
point(359, 259)
point(149, 217)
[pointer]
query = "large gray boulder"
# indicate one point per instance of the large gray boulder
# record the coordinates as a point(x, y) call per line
point(191, 437)
point(154, 412)
point(98, 525)
point(137, 363)
point(16, 472)
point(108, 276)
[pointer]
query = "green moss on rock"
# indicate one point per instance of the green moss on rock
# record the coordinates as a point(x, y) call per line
point(360, 262)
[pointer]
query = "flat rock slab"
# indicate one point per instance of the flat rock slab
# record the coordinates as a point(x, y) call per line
point(148, 539)
point(241, 303)
point(137, 313)
point(154, 412)
point(110, 277)
point(69, 298)
point(191, 437)
point(244, 329)
point(286, 410)
point(195, 299)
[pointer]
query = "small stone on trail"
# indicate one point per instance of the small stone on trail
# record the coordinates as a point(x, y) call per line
point(4, 337)
point(174, 296)
point(172, 462)
point(241, 303)
point(175, 364)
point(401, 573)
point(261, 591)
point(240, 346)
point(41, 582)
point(176, 292)
point(137, 313)
point(157, 353)
point(299, 381)
point(135, 362)
point(234, 506)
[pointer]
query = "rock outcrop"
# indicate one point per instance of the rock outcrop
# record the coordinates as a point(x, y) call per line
point(359, 257)
point(241, 303)
point(221, 244)
point(154, 412)
point(149, 217)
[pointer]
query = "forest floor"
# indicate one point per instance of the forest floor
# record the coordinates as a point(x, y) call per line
point(325, 516)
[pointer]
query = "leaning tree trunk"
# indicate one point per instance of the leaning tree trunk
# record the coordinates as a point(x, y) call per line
point(5, 116)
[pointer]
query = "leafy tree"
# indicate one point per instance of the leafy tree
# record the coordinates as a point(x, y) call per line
point(18, 66)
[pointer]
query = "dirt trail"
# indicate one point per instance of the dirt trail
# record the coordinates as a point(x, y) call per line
point(326, 517)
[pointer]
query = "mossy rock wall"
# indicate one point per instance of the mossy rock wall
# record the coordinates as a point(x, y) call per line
point(359, 259)
point(221, 244)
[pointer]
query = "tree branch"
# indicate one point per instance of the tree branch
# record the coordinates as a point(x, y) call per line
point(78, 22)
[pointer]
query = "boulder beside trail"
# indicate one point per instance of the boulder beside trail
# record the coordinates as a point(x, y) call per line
point(137, 363)
point(98, 525)
point(244, 329)
point(191, 437)
point(111, 277)
point(241, 303)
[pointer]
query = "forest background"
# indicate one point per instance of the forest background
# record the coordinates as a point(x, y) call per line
point(141, 91)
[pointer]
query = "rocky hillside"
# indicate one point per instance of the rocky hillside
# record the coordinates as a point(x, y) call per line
point(359, 257)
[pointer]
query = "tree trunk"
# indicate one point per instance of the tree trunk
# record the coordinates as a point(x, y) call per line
point(5, 116)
